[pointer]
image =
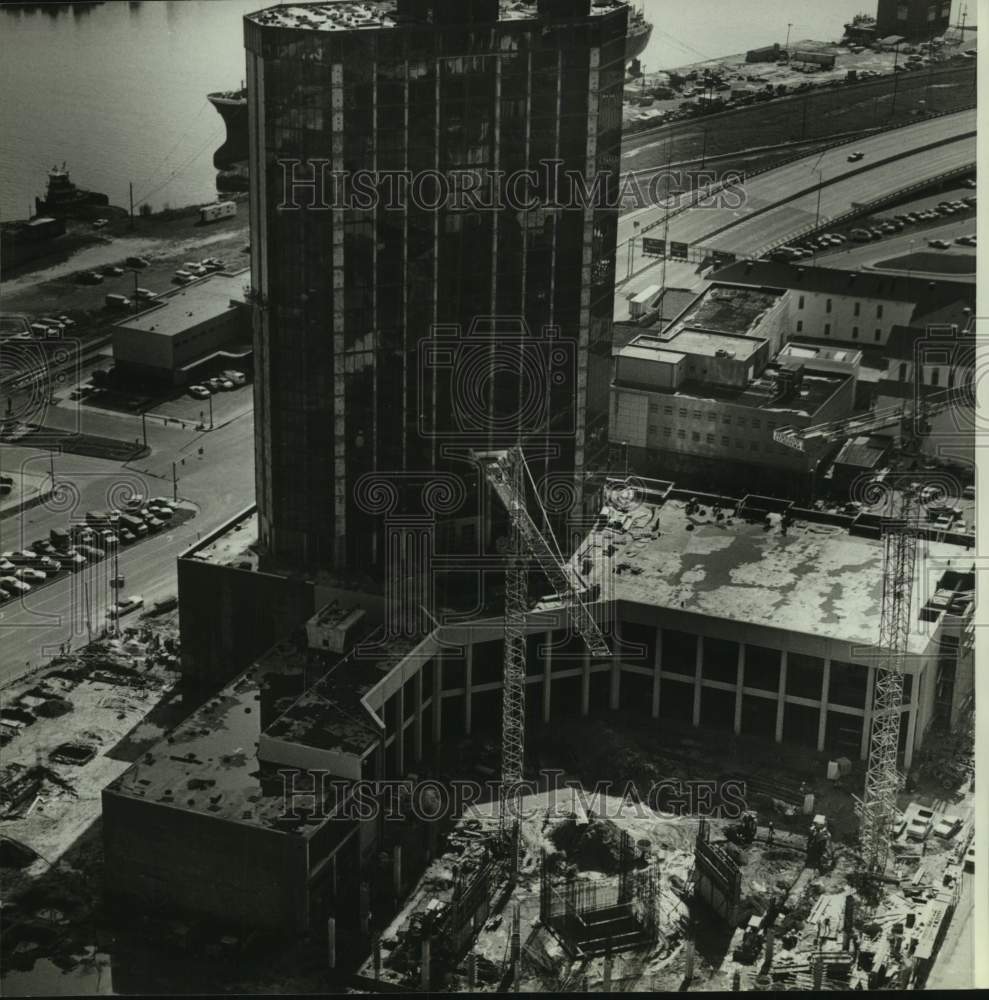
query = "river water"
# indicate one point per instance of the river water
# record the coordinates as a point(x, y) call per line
point(118, 90)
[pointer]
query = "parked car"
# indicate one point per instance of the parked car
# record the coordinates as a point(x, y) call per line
point(199, 392)
point(153, 523)
point(214, 384)
point(43, 547)
point(145, 294)
point(74, 561)
point(100, 223)
point(182, 277)
point(969, 492)
point(162, 512)
point(970, 859)
point(226, 385)
point(90, 278)
point(856, 156)
point(67, 322)
point(125, 606)
point(939, 244)
point(92, 553)
point(48, 564)
point(136, 262)
point(134, 502)
point(127, 536)
point(6, 567)
point(238, 378)
point(13, 586)
point(112, 271)
point(29, 575)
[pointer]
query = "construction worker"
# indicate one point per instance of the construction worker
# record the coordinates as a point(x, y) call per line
point(770, 833)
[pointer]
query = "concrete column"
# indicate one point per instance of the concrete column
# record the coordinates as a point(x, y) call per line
point(739, 684)
point(468, 685)
point(585, 684)
point(400, 731)
point(781, 698)
point(822, 721)
point(870, 693)
point(698, 674)
point(417, 724)
point(437, 695)
point(657, 667)
point(547, 670)
point(911, 734)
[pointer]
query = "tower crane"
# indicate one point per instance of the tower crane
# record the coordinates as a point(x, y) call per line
point(507, 472)
point(877, 808)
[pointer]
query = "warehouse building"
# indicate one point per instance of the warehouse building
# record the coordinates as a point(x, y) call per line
point(746, 616)
point(187, 333)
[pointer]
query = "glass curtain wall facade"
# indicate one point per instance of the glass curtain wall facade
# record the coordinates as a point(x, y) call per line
point(398, 329)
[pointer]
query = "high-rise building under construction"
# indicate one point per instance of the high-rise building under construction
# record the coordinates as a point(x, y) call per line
point(433, 241)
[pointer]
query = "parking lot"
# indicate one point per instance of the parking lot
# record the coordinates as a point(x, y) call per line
point(944, 218)
point(80, 545)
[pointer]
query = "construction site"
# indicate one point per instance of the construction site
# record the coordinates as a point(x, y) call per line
point(713, 757)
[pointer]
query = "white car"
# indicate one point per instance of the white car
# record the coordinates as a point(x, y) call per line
point(165, 513)
point(127, 605)
point(28, 575)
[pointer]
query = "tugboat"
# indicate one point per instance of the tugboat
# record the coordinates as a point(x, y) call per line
point(63, 199)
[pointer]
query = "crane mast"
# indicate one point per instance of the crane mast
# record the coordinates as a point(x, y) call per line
point(507, 472)
point(877, 808)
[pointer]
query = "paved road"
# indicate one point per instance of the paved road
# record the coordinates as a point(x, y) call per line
point(842, 184)
point(954, 968)
point(218, 483)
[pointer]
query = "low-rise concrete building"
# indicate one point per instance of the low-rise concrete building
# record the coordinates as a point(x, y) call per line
point(702, 395)
point(187, 332)
point(746, 616)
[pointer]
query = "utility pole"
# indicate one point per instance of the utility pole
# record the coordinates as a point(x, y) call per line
point(211, 411)
point(175, 483)
point(896, 78)
point(132, 212)
point(704, 149)
point(787, 46)
point(144, 422)
point(964, 19)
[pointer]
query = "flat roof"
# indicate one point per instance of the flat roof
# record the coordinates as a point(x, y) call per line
point(818, 579)
point(330, 715)
point(191, 305)
point(646, 352)
point(726, 308)
point(707, 344)
point(347, 15)
point(928, 296)
point(209, 763)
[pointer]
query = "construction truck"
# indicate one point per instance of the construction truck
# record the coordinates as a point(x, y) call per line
point(743, 832)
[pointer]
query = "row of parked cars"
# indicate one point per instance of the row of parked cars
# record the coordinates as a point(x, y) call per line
point(77, 546)
point(189, 272)
point(223, 382)
point(111, 271)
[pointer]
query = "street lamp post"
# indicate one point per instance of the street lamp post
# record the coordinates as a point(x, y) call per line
point(210, 412)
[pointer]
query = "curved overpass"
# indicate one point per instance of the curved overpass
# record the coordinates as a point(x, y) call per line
point(781, 201)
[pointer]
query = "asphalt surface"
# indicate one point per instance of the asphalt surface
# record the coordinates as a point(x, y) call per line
point(769, 211)
point(217, 484)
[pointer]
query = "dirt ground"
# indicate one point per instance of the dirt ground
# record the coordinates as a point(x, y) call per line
point(167, 241)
